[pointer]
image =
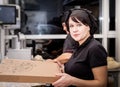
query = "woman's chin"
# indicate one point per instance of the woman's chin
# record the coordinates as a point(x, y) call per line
point(76, 39)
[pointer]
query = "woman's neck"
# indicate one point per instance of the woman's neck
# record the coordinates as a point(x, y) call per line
point(84, 39)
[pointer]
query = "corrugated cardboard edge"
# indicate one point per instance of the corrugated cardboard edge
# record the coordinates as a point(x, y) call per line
point(25, 79)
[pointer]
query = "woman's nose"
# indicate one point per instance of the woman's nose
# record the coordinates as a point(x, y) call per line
point(75, 29)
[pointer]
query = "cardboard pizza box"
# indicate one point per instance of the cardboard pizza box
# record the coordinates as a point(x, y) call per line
point(16, 70)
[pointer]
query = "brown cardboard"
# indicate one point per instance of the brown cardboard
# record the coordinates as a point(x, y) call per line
point(16, 70)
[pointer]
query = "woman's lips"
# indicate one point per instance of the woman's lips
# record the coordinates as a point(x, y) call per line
point(75, 35)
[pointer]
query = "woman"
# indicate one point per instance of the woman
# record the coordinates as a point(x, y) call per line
point(88, 65)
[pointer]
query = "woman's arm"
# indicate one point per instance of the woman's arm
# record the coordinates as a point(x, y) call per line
point(100, 79)
point(63, 58)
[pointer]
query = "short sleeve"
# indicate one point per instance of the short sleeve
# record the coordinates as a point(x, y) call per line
point(98, 56)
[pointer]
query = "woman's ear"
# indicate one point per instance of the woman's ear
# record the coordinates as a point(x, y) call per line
point(63, 23)
point(65, 28)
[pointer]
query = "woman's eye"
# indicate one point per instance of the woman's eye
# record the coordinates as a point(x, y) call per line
point(71, 26)
point(78, 25)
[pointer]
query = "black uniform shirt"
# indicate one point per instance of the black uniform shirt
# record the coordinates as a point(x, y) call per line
point(88, 55)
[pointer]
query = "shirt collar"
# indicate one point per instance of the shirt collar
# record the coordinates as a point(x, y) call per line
point(87, 41)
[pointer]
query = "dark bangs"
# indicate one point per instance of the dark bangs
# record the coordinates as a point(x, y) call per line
point(81, 16)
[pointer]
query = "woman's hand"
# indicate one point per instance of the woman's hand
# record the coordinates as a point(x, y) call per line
point(64, 81)
point(61, 66)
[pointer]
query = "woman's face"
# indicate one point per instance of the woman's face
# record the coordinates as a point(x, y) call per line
point(79, 31)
